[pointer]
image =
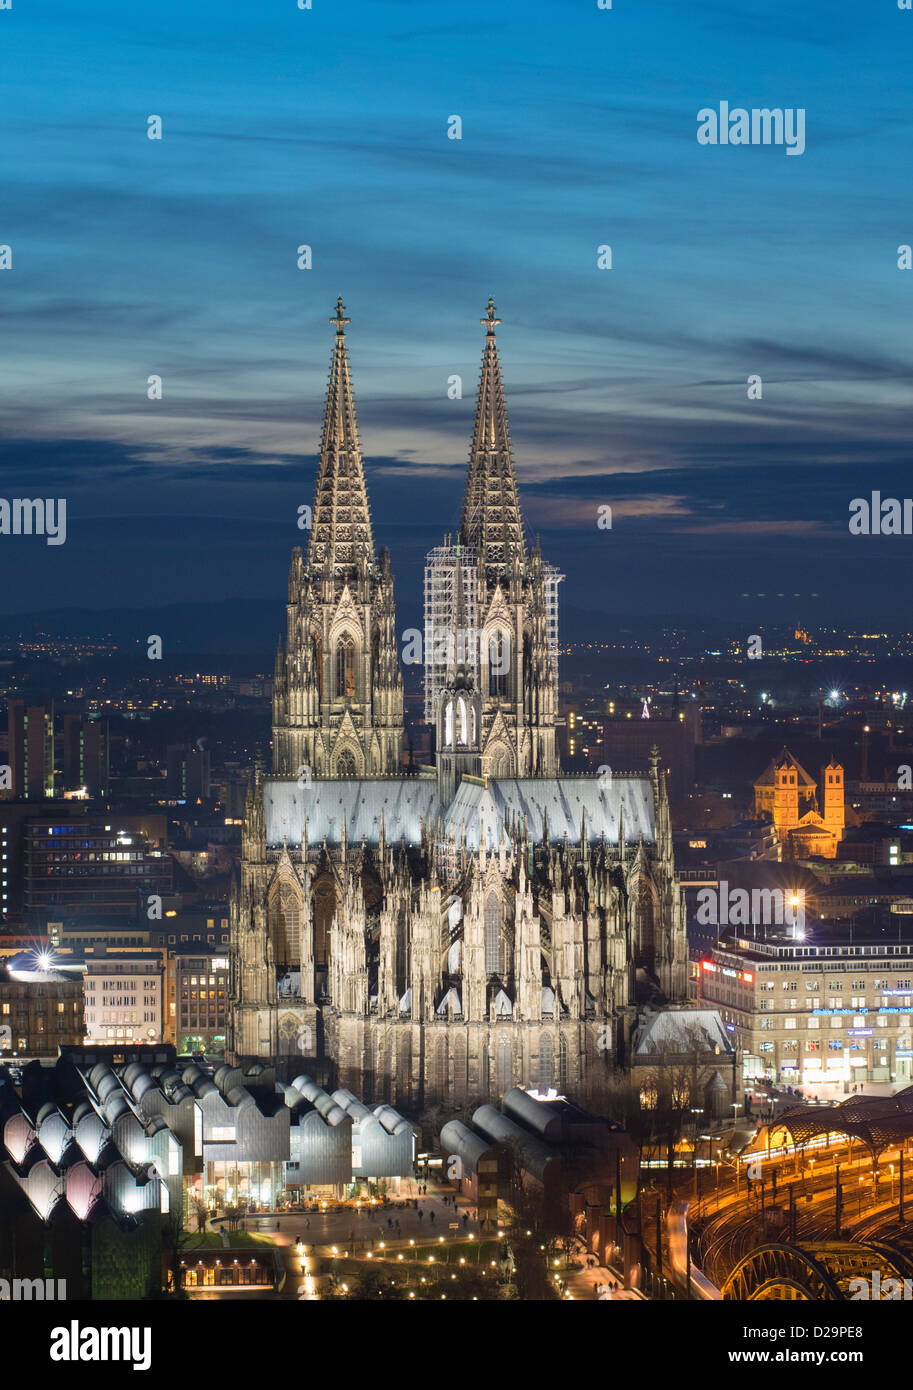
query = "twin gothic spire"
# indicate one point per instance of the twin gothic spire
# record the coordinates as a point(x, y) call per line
point(338, 690)
point(492, 523)
point(341, 534)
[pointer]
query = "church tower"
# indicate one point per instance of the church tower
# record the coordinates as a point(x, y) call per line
point(459, 714)
point(509, 594)
point(832, 793)
point(786, 797)
point(338, 690)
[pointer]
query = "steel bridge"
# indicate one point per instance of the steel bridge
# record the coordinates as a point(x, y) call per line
point(819, 1272)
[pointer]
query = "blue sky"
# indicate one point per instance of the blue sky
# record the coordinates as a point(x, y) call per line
point(328, 127)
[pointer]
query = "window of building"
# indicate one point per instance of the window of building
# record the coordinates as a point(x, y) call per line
point(492, 935)
point(345, 667)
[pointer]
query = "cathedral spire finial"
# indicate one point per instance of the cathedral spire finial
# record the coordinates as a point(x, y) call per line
point(339, 318)
point(490, 321)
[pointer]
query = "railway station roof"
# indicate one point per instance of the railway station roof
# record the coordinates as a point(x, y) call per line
point(878, 1121)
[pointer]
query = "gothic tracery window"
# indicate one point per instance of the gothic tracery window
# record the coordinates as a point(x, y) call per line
point(646, 928)
point(345, 764)
point(498, 663)
point(493, 952)
point(285, 926)
point(562, 1063)
point(324, 902)
point(462, 729)
point(505, 1066)
point(546, 1061)
point(345, 667)
point(441, 1069)
point(459, 1069)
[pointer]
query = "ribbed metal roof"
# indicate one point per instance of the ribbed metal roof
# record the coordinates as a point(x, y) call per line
point(457, 1138)
point(879, 1121)
point(483, 811)
point(357, 804)
point(501, 1128)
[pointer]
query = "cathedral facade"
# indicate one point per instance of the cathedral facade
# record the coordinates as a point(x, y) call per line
point(437, 937)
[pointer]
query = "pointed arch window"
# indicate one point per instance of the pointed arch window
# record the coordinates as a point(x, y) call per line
point(546, 1061)
point(345, 765)
point(498, 663)
point(286, 919)
point(505, 1066)
point(317, 656)
point(462, 723)
point(324, 898)
point(645, 943)
point(493, 952)
point(459, 1069)
point(345, 667)
point(441, 1069)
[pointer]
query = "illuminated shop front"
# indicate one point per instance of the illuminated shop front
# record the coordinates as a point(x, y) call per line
point(257, 1184)
point(240, 1269)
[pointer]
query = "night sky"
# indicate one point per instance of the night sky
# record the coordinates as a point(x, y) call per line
point(328, 127)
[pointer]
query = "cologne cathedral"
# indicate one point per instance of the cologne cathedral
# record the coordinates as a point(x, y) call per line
point(434, 936)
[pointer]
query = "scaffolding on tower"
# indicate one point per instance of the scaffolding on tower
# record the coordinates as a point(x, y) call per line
point(443, 645)
point(552, 577)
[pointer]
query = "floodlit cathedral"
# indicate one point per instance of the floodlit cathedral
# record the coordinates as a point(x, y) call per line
point(437, 937)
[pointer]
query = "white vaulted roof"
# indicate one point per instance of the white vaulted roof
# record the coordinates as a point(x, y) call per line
point(358, 802)
point(563, 799)
point(482, 809)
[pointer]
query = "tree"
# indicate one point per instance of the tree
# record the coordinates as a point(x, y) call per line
point(675, 1084)
point(200, 1213)
point(174, 1243)
point(233, 1213)
point(374, 1284)
point(533, 1232)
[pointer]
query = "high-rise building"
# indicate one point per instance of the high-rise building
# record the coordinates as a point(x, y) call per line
point(188, 772)
point(75, 868)
point(454, 933)
point(30, 744)
point(85, 755)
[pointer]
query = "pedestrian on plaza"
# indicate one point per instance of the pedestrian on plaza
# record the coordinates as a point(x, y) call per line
point(432, 1218)
point(421, 1216)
